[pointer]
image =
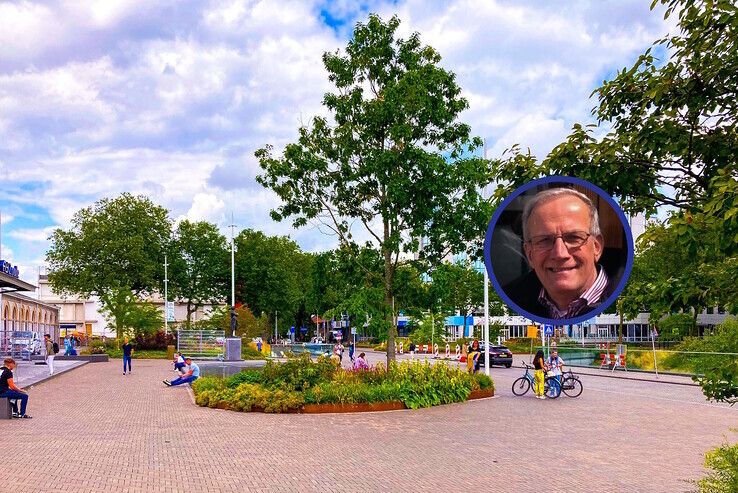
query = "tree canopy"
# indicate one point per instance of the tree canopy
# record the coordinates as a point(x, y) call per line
point(393, 158)
point(114, 249)
point(199, 262)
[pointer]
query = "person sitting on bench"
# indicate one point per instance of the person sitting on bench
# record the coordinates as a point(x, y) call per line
point(9, 390)
point(192, 374)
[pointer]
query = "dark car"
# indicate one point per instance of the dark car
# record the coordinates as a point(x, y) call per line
point(498, 355)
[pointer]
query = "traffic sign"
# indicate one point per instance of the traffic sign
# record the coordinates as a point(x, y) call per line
point(292, 329)
point(548, 330)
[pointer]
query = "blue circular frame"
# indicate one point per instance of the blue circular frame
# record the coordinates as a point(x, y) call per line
point(628, 240)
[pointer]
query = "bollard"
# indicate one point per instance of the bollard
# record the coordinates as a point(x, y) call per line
point(402, 348)
point(448, 351)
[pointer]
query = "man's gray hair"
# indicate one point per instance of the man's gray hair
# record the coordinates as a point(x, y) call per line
point(547, 195)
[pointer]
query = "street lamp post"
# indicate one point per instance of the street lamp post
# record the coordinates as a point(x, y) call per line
point(166, 297)
point(486, 292)
point(234, 320)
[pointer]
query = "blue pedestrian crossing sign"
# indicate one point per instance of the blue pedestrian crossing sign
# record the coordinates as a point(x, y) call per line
point(548, 330)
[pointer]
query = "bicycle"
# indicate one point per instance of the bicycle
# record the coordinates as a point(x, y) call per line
point(570, 384)
point(551, 386)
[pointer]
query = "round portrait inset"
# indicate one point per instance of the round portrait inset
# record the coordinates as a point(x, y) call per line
point(559, 250)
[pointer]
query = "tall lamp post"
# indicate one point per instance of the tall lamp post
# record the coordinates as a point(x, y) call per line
point(166, 297)
point(486, 291)
point(233, 281)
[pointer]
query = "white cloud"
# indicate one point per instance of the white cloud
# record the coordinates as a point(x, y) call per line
point(33, 235)
point(171, 99)
point(206, 207)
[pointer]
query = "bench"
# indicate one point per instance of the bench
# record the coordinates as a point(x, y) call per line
point(6, 408)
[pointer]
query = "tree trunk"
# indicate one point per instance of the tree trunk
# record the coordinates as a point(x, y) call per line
point(388, 280)
point(189, 314)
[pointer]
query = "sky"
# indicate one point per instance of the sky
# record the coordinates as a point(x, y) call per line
point(171, 99)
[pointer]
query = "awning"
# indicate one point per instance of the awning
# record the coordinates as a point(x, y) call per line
point(14, 284)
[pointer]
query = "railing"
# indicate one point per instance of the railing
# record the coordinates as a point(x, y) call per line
point(645, 359)
point(201, 343)
point(281, 350)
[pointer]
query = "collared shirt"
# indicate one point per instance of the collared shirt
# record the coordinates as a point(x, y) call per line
point(590, 296)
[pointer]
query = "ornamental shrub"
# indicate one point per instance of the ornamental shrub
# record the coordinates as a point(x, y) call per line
point(723, 465)
point(283, 387)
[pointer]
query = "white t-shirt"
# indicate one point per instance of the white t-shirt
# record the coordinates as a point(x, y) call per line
point(555, 364)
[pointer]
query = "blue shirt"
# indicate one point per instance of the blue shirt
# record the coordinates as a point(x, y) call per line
point(195, 369)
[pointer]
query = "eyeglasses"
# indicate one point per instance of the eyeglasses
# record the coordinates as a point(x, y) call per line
point(572, 240)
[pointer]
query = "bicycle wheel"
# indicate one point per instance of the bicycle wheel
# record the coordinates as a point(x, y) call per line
point(520, 386)
point(551, 388)
point(572, 387)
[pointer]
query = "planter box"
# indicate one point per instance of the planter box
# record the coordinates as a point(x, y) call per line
point(481, 394)
point(352, 408)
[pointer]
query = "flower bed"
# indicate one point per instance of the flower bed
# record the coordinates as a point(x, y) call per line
point(299, 383)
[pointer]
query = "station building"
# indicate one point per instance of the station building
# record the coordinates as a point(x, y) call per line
point(22, 313)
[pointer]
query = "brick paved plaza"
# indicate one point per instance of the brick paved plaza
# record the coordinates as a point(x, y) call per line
point(96, 430)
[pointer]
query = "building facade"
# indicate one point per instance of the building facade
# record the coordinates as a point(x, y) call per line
point(84, 315)
point(24, 318)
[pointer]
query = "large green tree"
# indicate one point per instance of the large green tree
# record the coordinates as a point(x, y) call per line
point(458, 287)
point(667, 136)
point(271, 275)
point(393, 158)
point(113, 247)
point(200, 265)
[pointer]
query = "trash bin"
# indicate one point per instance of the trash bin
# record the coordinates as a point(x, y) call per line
point(170, 352)
point(233, 349)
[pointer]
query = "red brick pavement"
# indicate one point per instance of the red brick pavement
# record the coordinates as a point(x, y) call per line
point(97, 430)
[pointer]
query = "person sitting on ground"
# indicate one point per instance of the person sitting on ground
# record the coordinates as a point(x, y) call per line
point(9, 390)
point(472, 357)
point(360, 363)
point(192, 374)
point(179, 363)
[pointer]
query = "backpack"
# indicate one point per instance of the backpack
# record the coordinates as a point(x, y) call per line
point(56, 347)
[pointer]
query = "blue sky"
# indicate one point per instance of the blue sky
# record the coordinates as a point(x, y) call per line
point(171, 99)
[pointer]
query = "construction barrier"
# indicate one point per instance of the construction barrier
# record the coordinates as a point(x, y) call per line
point(448, 351)
point(402, 348)
point(435, 350)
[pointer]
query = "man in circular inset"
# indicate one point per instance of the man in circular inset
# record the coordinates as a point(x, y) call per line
point(563, 243)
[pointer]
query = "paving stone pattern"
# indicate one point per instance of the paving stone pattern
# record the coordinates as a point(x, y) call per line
point(97, 430)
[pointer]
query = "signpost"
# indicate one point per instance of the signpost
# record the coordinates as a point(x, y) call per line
point(170, 311)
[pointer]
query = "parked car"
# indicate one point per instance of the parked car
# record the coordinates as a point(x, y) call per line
point(25, 343)
point(498, 355)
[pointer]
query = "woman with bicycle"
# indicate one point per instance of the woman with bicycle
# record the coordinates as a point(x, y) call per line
point(472, 357)
point(539, 374)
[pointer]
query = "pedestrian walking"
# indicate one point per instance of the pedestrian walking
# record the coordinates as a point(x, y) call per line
point(539, 374)
point(127, 355)
point(351, 351)
point(412, 350)
point(340, 352)
point(49, 353)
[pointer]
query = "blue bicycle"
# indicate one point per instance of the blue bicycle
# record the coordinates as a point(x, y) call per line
point(551, 386)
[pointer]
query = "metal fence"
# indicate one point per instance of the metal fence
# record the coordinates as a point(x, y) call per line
point(201, 343)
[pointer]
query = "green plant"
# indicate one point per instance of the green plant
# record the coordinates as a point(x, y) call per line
point(245, 376)
point(723, 465)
